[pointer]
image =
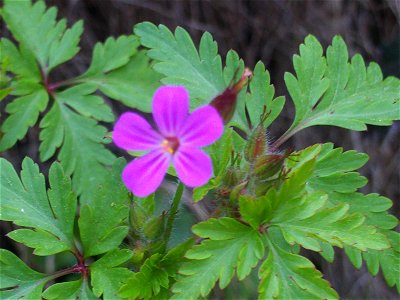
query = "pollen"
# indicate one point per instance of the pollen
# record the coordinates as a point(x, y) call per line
point(170, 144)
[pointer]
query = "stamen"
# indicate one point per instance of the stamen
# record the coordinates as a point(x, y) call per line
point(170, 144)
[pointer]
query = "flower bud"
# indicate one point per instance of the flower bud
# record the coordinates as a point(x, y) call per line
point(268, 165)
point(232, 177)
point(257, 144)
point(154, 228)
point(225, 103)
point(237, 191)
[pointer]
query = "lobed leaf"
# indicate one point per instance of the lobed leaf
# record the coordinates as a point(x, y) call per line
point(81, 140)
point(288, 276)
point(122, 72)
point(148, 282)
point(106, 277)
point(49, 40)
point(261, 97)
point(101, 221)
point(17, 280)
point(229, 245)
point(24, 113)
point(25, 202)
point(71, 290)
point(331, 91)
point(178, 59)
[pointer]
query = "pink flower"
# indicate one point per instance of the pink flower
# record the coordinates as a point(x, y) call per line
point(177, 140)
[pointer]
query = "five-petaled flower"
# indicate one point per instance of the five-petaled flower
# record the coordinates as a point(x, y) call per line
point(177, 140)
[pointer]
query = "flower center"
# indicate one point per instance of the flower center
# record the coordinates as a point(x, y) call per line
point(170, 144)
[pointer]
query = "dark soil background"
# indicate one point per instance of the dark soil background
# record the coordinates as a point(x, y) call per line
point(270, 31)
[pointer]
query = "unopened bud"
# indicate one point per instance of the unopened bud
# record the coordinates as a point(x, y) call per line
point(268, 165)
point(237, 191)
point(225, 103)
point(232, 177)
point(257, 144)
point(154, 227)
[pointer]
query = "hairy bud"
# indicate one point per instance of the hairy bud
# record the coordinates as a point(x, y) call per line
point(268, 165)
point(257, 144)
point(155, 227)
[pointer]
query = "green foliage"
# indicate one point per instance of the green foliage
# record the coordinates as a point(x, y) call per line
point(289, 276)
point(118, 70)
point(81, 139)
point(24, 113)
point(261, 97)
point(178, 59)
point(106, 277)
point(121, 72)
point(156, 274)
point(18, 280)
point(331, 91)
point(333, 170)
point(314, 204)
point(71, 290)
point(49, 41)
point(101, 219)
point(25, 202)
point(50, 218)
point(229, 246)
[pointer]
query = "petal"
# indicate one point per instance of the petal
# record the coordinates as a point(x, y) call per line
point(202, 128)
point(145, 174)
point(170, 108)
point(193, 166)
point(132, 132)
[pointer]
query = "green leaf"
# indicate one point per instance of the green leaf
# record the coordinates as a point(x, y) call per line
point(25, 202)
point(78, 289)
point(374, 208)
point(133, 84)
point(101, 221)
point(332, 91)
point(333, 225)
point(106, 277)
point(18, 280)
point(122, 72)
point(261, 97)
point(81, 139)
point(111, 55)
point(288, 276)
point(19, 61)
point(333, 170)
point(229, 246)
point(24, 112)
point(49, 41)
point(147, 282)
point(178, 59)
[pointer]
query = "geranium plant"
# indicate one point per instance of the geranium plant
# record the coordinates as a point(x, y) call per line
point(209, 133)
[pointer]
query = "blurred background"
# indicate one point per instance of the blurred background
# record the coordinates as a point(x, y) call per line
point(271, 31)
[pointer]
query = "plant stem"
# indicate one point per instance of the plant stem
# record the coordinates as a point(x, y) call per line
point(172, 213)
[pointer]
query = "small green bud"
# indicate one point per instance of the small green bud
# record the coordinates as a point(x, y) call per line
point(237, 191)
point(232, 177)
point(137, 218)
point(257, 144)
point(268, 165)
point(154, 228)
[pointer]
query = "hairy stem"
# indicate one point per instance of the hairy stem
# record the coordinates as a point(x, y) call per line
point(172, 213)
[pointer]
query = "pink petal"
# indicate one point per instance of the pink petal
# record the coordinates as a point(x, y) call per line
point(132, 132)
point(202, 128)
point(145, 174)
point(170, 108)
point(193, 166)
